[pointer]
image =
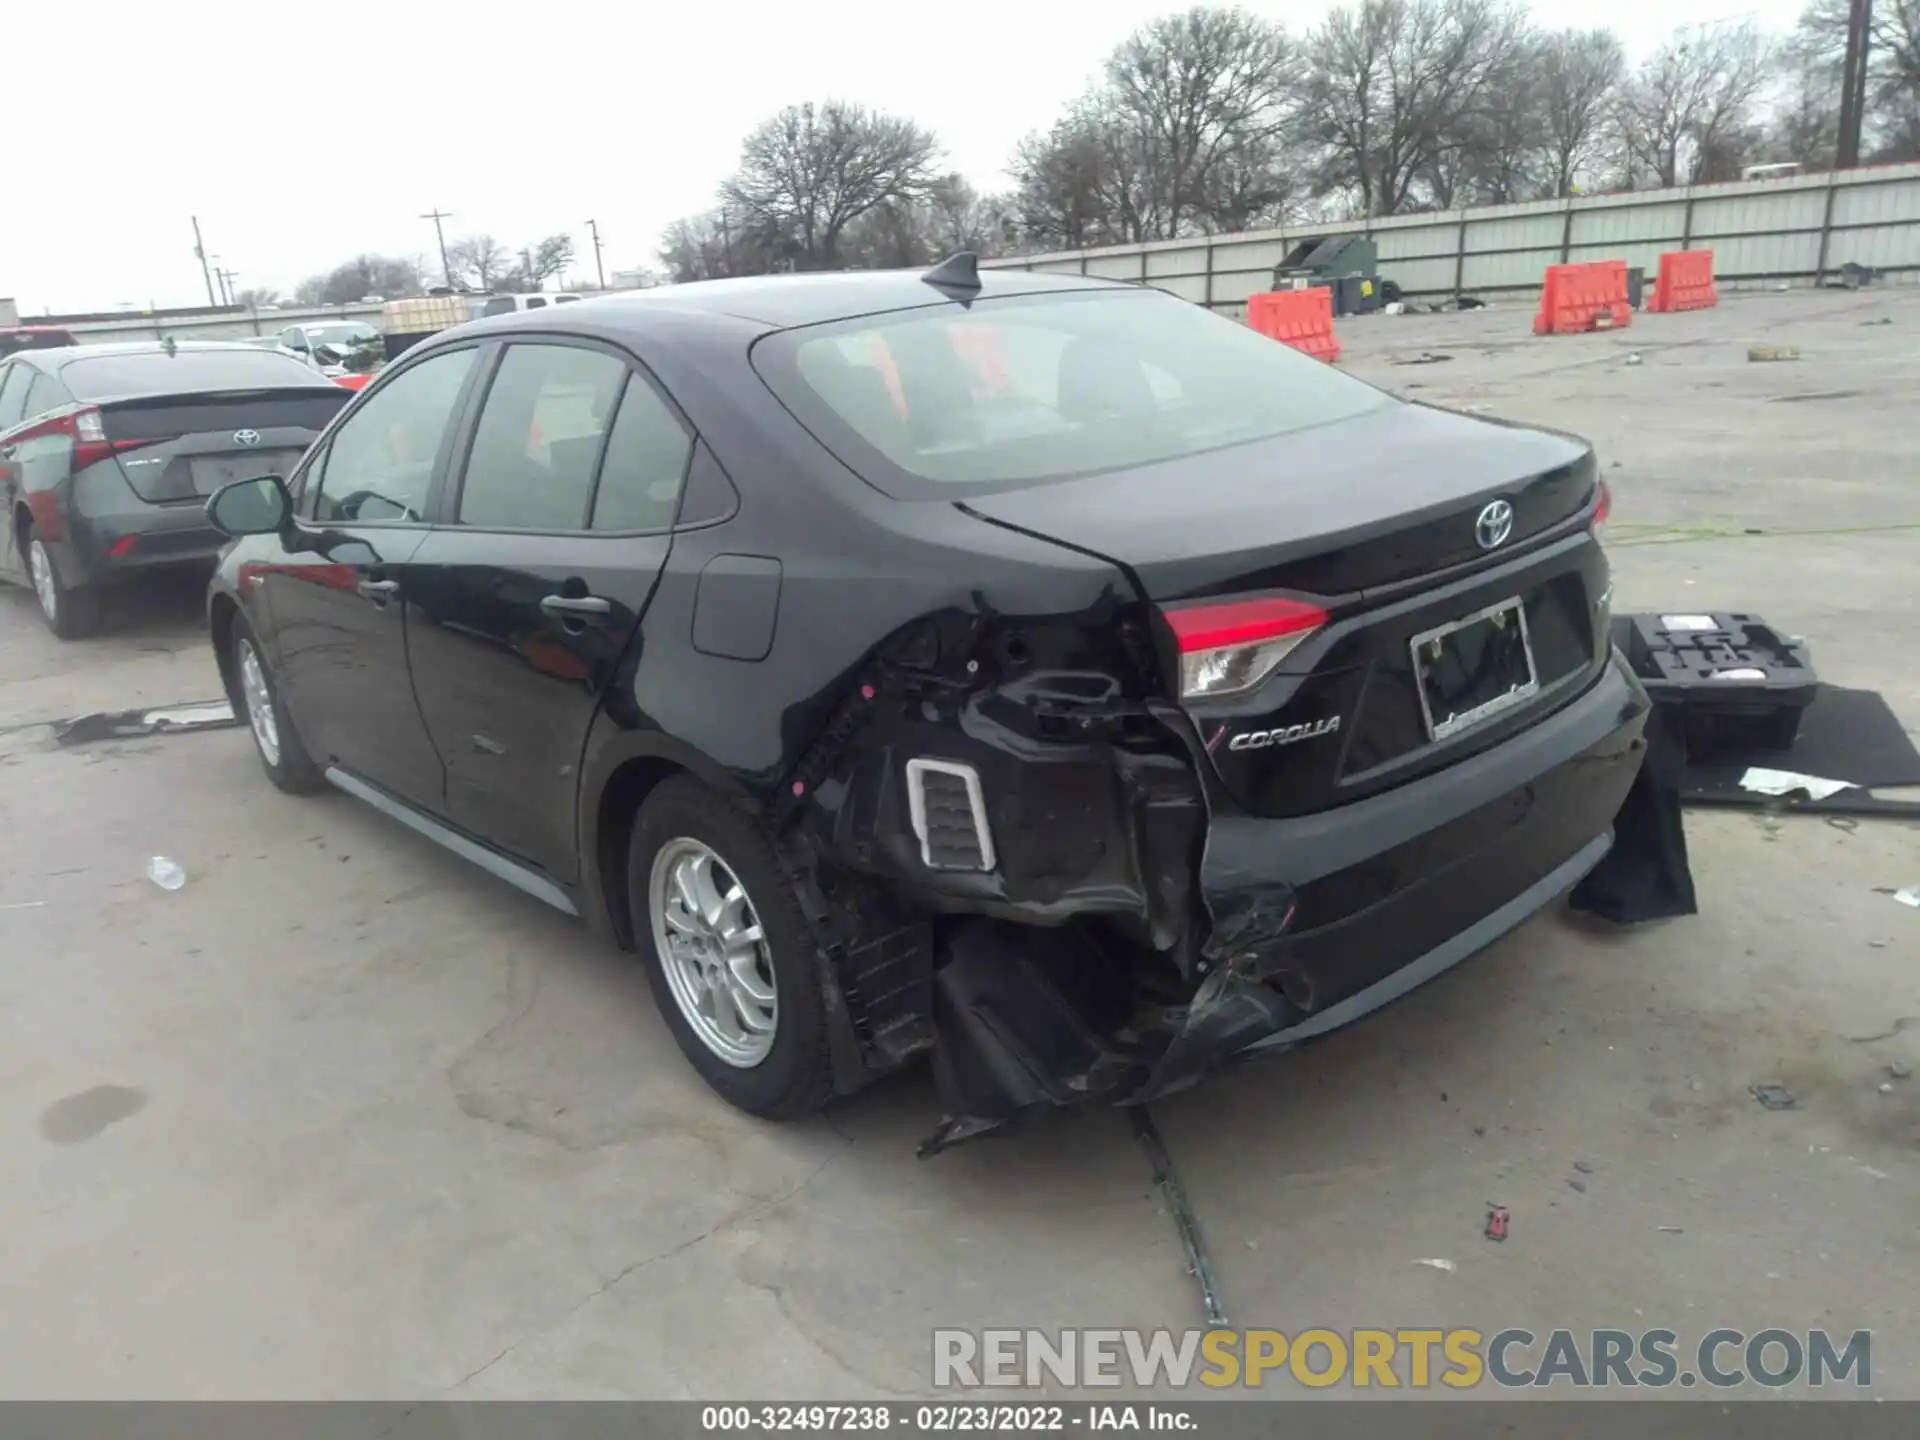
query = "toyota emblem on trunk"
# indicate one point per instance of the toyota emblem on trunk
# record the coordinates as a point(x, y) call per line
point(1494, 525)
point(252, 437)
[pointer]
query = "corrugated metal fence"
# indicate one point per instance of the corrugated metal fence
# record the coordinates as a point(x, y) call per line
point(1761, 232)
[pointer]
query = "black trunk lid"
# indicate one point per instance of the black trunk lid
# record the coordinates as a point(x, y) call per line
point(180, 448)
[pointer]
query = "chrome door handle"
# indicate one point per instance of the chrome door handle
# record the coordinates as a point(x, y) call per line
point(571, 605)
point(379, 591)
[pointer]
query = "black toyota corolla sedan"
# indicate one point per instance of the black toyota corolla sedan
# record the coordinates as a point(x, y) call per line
point(1041, 673)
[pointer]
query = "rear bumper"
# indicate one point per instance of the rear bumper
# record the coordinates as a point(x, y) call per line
point(102, 548)
point(1319, 920)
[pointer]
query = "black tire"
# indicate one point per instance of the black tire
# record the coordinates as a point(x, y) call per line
point(795, 1076)
point(72, 613)
point(292, 769)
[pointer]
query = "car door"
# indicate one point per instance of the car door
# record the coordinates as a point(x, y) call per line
point(338, 600)
point(530, 588)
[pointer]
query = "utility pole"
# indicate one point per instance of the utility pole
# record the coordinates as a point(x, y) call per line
point(526, 269)
point(227, 277)
point(593, 229)
point(200, 254)
point(1853, 84)
point(436, 215)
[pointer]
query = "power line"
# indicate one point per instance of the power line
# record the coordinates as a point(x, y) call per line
point(436, 215)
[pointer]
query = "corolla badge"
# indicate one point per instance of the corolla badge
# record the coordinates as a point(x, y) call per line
point(1284, 735)
point(246, 437)
point(1494, 525)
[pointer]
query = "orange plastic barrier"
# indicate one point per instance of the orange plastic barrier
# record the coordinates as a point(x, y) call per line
point(1685, 281)
point(1577, 298)
point(1300, 318)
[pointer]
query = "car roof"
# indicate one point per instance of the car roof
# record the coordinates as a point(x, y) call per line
point(783, 301)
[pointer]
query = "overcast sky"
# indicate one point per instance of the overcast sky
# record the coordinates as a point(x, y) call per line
point(302, 135)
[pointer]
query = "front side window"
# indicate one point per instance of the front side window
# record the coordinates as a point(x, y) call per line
point(379, 464)
point(1024, 391)
point(538, 442)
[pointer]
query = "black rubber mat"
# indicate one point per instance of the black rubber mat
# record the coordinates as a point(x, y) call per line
point(1850, 735)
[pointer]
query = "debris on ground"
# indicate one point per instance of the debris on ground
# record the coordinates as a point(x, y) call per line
point(23, 905)
point(1670, 1230)
point(1633, 357)
point(1585, 1167)
point(1909, 896)
point(1886, 1088)
point(1773, 352)
point(129, 724)
point(1497, 1220)
point(1470, 302)
point(1438, 1264)
point(1394, 307)
point(1184, 1220)
point(1883, 320)
point(1762, 781)
point(1873, 1174)
point(1774, 1097)
point(1579, 1187)
point(1425, 357)
point(1899, 1069)
point(165, 873)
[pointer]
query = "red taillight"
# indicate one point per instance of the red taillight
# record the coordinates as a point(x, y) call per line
point(1602, 507)
point(1232, 645)
point(88, 431)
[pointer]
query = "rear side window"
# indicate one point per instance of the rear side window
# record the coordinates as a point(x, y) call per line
point(14, 380)
point(538, 442)
point(158, 373)
point(44, 394)
point(536, 303)
point(1020, 392)
point(646, 462)
point(380, 462)
point(566, 299)
point(499, 305)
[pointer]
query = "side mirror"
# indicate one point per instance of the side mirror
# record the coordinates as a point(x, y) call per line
point(251, 507)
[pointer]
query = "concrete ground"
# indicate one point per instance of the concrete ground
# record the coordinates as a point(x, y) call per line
point(344, 1117)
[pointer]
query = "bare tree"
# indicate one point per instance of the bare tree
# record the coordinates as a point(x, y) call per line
point(810, 171)
point(1207, 94)
point(1392, 85)
point(961, 218)
point(547, 259)
point(1579, 76)
point(479, 260)
point(387, 276)
point(257, 296)
point(1686, 115)
point(1084, 182)
point(1893, 67)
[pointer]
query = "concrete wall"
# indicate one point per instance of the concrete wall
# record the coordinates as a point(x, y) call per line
point(1761, 232)
point(233, 325)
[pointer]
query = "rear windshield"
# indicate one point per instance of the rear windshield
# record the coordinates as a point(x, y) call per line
point(1021, 392)
point(102, 377)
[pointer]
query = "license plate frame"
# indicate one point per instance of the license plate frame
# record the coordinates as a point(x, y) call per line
point(1427, 647)
point(210, 472)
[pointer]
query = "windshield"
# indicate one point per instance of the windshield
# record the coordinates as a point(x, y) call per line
point(1021, 392)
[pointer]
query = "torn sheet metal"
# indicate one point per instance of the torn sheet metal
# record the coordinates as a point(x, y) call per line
point(130, 724)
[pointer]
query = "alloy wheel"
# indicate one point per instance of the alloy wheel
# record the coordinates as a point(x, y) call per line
point(713, 952)
point(41, 564)
point(259, 701)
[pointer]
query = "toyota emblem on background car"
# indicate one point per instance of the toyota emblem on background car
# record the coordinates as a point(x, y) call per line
point(1492, 528)
point(252, 437)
